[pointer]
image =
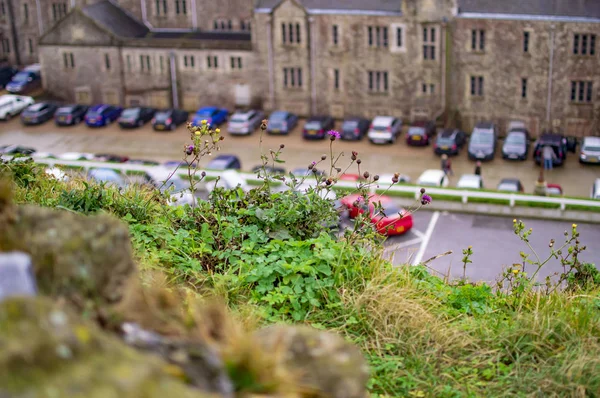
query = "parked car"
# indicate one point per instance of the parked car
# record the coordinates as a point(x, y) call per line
point(516, 144)
point(6, 75)
point(554, 190)
point(38, 113)
point(136, 117)
point(179, 163)
point(390, 220)
point(213, 116)
point(470, 181)
point(16, 150)
point(384, 129)
point(388, 178)
point(433, 178)
point(557, 142)
point(143, 162)
point(11, 105)
point(179, 189)
point(449, 142)
point(107, 157)
point(590, 150)
point(269, 169)
point(510, 185)
point(595, 194)
point(301, 172)
point(225, 162)
point(107, 176)
point(354, 128)
point(281, 122)
point(482, 143)
point(169, 119)
point(420, 133)
point(76, 156)
point(316, 127)
point(24, 82)
point(102, 115)
point(70, 115)
point(230, 179)
point(245, 122)
point(57, 173)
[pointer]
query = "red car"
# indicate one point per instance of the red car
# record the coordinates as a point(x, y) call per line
point(554, 190)
point(395, 221)
point(350, 177)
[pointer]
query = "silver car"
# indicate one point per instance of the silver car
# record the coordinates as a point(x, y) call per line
point(384, 129)
point(245, 122)
point(590, 150)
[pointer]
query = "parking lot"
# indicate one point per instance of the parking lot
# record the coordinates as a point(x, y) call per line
point(575, 179)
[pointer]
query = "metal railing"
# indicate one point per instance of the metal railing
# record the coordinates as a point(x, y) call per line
point(464, 195)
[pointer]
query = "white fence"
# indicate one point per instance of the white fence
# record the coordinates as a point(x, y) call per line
point(465, 195)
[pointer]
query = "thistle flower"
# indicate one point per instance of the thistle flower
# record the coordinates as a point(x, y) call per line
point(425, 199)
point(189, 150)
point(333, 135)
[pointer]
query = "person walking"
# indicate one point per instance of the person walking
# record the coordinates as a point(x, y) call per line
point(541, 186)
point(449, 167)
point(478, 168)
point(444, 164)
point(549, 157)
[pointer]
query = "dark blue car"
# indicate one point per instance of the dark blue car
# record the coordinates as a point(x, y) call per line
point(101, 115)
point(213, 116)
point(24, 82)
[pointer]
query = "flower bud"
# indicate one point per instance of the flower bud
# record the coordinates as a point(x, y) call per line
point(375, 177)
point(366, 174)
point(203, 174)
point(323, 157)
point(394, 179)
point(263, 125)
point(358, 161)
point(422, 190)
point(338, 169)
point(310, 166)
point(281, 146)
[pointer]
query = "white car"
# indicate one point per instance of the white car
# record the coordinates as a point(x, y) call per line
point(590, 150)
point(165, 180)
point(384, 129)
point(387, 178)
point(245, 122)
point(75, 156)
point(470, 181)
point(433, 178)
point(596, 189)
point(11, 105)
point(230, 179)
point(57, 173)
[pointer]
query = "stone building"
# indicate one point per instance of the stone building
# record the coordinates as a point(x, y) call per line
point(457, 61)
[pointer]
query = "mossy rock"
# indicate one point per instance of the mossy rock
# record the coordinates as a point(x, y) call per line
point(47, 351)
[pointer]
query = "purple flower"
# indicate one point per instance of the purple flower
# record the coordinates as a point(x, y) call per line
point(425, 199)
point(189, 150)
point(334, 134)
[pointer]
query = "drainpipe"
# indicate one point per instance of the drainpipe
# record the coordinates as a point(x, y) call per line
point(313, 80)
point(72, 3)
point(13, 31)
point(443, 56)
point(271, 62)
point(174, 80)
point(550, 70)
point(121, 73)
point(144, 14)
point(38, 8)
point(194, 15)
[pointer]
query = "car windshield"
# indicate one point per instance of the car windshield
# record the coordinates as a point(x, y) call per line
point(65, 109)
point(591, 148)
point(508, 186)
point(515, 138)
point(21, 77)
point(36, 107)
point(239, 118)
point(482, 138)
point(416, 131)
point(278, 116)
point(390, 210)
point(131, 112)
point(445, 140)
point(380, 127)
point(350, 125)
point(313, 125)
point(219, 164)
point(162, 116)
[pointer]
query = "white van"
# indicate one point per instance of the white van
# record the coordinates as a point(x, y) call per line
point(12, 105)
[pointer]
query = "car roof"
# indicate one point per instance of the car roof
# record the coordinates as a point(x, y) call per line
point(591, 140)
point(551, 137)
point(10, 97)
point(431, 175)
point(519, 131)
point(484, 125)
point(469, 180)
point(98, 107)
point(208, 109)
point(448, 132)
point(316, 118)
point(383, 120)
point(509, 181)
point(353, 119)
point(225, 156)
point(244, 113)
point(37, 106)
point(420, 123)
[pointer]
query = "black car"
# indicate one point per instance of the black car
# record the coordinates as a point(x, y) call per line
point(557, 142)
point(109, 157)
point(6, 75)
point(16, 150)
point(169, 119)
point(269, 169)
point(143, 162)
point(38, 113)
point(135, 117)
point(70, 115)
point(225, 162)
point(354, 128)
point(510, 185)
point(449, 142)
point(420, 133)
point(316, 127)
point(516, 145)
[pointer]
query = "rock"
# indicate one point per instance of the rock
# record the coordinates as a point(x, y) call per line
point(325, 362)
point(16, 276)
point(47, 351)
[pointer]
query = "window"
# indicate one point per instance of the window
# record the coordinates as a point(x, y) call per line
point(584, 44)
point(378, 36)
point(161, 10)
point(180, 7)
point(292, 77)
point(68, 60)
point(161, 63)
point(399, 42)
point(429, 43)
point(525, 42)
point(246, 26)
point(289, 35)
point(236, 62)
point(378, 81)
point(581, 91)
point(30, 42)
point(107, 61)
point(524, 87)
point(188, 61)
point(25, 13)
point(229, 25)
point(212, 62)
point(5, 46)
point(477, 86)
point(297, 33)
point(334, 35)
point(427, 89)
point(283, 35)
point(2, 8)
point(128, 63)
point(336, 79)
point(477, 39)
point(145, 63)
point(59, 10)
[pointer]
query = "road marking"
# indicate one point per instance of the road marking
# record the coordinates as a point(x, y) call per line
point(418, 233)
point(402, 244)
point(426, 238)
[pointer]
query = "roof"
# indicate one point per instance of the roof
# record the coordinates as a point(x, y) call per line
point(589, 9)
point(198, 35)
point(359, 7)
point(115, 20)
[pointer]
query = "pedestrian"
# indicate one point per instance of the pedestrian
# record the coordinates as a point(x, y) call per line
point(478, 168)
point(449, 167)
point(549, 156)
point(444, 164)
point(541, 186)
